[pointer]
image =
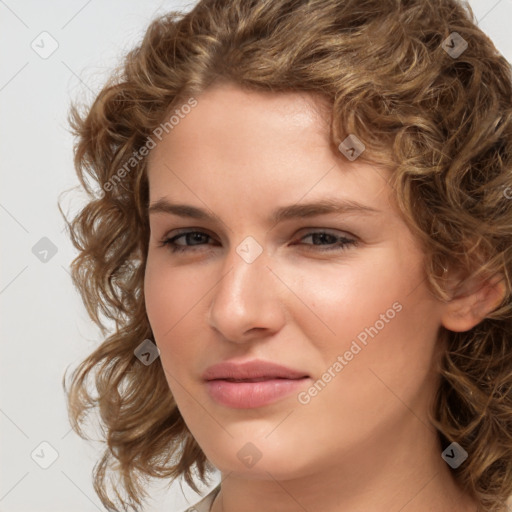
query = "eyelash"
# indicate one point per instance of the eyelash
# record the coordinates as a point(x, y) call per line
point(343, 242)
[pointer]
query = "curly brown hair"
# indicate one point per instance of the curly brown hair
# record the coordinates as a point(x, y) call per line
point(443, 122)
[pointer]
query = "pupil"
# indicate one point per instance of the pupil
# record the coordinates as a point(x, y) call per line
point(196, 237)
point(319, 237)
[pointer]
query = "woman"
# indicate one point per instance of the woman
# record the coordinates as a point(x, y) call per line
point(304, 236)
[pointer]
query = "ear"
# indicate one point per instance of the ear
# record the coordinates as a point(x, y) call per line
point(471, 302)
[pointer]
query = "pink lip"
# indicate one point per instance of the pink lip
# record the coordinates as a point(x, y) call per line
point(252, 384)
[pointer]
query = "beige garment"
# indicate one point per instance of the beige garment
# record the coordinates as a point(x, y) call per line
point(205, 504)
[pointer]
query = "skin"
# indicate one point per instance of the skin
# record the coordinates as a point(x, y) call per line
point(364, 442)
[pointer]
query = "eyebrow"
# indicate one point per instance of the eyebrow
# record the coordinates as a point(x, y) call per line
point(294, 211)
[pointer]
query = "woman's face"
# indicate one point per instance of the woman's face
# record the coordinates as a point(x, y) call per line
point(272, 271)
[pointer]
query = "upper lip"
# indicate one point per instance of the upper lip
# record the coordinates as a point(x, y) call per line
point(255, 369)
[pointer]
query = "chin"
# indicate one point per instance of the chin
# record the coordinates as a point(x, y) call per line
point(259, 458)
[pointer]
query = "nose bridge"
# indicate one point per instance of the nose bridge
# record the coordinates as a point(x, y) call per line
point(247, 264)
point(246, 283)
point(246, 297)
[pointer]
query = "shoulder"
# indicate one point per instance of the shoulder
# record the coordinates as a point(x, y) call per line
point(205, 504)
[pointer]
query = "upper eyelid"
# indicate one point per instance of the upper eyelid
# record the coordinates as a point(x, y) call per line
point(192, 229)
point(184, 231)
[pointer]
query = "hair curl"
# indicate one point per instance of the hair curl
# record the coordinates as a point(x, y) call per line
point(443, 124)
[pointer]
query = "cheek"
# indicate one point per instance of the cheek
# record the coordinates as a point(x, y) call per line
point(165, 303)
point(378, 382)
point(175, 301)
point(379, 314)
point(337, 302)
point(387, 353)
point(159, 302)
point(170, 293)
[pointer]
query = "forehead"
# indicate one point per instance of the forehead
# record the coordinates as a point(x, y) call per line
point(226, 115)
point(245, 143)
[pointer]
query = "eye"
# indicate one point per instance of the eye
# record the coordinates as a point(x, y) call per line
point(194, 238)
point(329, 241)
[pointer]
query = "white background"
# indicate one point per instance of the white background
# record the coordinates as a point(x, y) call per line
point(44, 326)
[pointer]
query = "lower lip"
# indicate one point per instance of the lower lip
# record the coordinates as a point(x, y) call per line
point(248, 395)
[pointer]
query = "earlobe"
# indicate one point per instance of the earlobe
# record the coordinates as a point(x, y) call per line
point(472, 304)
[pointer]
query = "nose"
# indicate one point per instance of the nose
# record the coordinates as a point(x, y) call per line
point(246, 302)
